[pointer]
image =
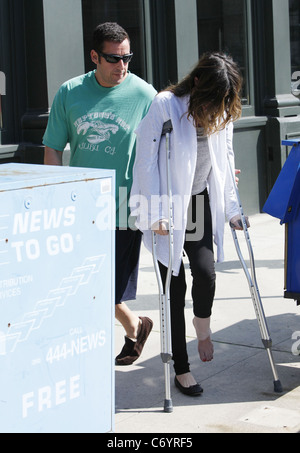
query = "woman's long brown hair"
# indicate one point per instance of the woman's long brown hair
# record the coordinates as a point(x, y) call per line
point(214, 87)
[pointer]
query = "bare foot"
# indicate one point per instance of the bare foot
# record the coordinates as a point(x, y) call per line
point(206, 350)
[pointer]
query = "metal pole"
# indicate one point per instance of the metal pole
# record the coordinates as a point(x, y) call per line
point(256, 299)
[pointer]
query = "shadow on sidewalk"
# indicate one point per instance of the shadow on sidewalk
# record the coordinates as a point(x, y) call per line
point(239, 372)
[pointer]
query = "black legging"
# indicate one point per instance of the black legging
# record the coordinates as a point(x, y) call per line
point(202, 265)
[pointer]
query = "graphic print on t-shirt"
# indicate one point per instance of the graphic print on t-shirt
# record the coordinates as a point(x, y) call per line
point(95, 130)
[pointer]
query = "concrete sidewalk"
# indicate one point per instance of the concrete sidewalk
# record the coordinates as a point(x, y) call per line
point(238, 386)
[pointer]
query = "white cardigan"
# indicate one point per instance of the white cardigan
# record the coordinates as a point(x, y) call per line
point(150, 181)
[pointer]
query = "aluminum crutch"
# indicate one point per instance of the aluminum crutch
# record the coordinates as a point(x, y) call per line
point(164, 291)
point(259, 311)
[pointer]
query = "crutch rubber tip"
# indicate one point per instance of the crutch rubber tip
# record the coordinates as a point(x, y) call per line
point(168, 406)
point(277, 387)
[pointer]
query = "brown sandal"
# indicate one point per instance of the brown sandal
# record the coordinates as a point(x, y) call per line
point(132, 350)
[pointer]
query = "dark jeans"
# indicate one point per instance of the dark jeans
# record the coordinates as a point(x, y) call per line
point(202, 266)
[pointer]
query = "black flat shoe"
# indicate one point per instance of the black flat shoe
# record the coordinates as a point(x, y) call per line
point(193, 390)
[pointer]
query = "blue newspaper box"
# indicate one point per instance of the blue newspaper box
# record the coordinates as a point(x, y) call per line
point(56, 299)
point(284, 203)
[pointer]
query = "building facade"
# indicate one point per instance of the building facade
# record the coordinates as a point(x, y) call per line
point(45, 42)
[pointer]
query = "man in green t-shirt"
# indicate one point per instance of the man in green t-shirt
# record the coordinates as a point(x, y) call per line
point(97, 113)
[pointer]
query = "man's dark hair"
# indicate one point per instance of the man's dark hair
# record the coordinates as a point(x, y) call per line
point(109, 31)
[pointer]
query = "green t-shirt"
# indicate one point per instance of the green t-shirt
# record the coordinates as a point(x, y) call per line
point(99, 124)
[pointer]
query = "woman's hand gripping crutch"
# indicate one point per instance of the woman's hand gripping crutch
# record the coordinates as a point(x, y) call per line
point(165, 228)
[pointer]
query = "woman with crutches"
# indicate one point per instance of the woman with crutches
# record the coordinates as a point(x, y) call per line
point(202, 108)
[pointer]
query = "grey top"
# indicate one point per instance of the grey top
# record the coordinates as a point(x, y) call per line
point(203, 165)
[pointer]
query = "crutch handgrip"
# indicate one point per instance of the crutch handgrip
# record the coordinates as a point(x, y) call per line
point(167, 127)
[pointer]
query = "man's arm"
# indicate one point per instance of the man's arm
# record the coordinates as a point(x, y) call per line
point(52, 156)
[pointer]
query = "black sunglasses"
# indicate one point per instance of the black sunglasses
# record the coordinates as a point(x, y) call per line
point(110, 58)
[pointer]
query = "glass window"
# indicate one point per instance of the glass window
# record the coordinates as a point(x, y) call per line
point(1, 121)
point(162, 46)
point(222, 27)
point(2, 92)
point(127, 13)
point(295, 45)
